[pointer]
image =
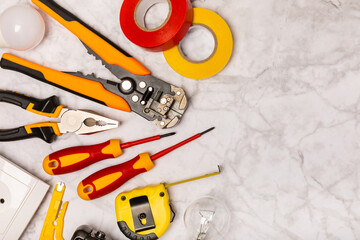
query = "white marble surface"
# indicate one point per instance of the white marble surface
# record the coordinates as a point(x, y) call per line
point(286, 111)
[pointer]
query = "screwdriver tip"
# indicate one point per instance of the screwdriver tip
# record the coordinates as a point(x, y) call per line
point(206, 131)
point(167, 135)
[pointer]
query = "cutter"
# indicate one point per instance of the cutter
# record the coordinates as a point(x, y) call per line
point(70, 121)
point(138, 91)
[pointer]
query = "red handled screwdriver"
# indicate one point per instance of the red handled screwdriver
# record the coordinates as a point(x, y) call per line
point(75, 158)
point(109, 179)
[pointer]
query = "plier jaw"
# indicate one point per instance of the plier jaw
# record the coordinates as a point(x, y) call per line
point(73, 121)
point(84, 122)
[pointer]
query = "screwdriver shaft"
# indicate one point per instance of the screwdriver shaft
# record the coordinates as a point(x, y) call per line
point(170, 149)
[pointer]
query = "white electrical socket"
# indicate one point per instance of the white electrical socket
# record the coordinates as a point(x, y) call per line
point(20, 196)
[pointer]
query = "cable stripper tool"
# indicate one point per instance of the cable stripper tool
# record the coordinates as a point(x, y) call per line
point(71, 121)
point(146, 213)
point(138, 91)
point(54, 221)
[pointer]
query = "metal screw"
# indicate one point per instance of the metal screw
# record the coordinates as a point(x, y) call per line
point(123, 198)
point(163, 101)
point(135, 98)
point(142, 84)
point(126, 85)
point(162, 194)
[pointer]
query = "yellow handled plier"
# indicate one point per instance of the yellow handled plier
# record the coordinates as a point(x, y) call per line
point(70, 121)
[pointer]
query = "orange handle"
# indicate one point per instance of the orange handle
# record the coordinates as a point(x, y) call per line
point(103, 47)
point(81, 86)
point(109, 179)
point(75, 158)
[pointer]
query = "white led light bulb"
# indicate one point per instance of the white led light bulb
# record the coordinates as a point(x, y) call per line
point(21, 28)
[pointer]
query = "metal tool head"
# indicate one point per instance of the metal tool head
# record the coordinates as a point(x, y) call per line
point(148, 96)
point(84, 122)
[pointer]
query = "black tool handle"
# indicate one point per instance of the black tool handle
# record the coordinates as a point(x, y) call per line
point(134, 236)
point(84, 87)
point(48, 105)
point(45, 133)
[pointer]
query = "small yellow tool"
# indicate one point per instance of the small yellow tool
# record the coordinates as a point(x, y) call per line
point(146, 213)
point(54, 221)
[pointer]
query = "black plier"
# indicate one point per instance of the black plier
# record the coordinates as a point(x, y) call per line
point(138, 91)
point(70, 121)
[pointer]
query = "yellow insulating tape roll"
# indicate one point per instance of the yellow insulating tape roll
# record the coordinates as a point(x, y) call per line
point(218, 59)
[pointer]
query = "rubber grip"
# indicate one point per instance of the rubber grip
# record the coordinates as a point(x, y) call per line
point(124, 228)
point(75, 158)
point(106, 49)
point(89, 89)
point(109, 179)
point(49, 107)
point(46, 133)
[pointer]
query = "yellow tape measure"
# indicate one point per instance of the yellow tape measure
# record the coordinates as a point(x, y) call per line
point(146, 213)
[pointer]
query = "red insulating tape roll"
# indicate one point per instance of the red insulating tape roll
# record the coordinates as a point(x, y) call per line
point(168, 35)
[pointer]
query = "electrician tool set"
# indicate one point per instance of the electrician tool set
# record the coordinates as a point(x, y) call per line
point(142, 213)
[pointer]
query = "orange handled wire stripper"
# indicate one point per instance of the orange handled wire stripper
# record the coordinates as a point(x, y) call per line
point(137, 91)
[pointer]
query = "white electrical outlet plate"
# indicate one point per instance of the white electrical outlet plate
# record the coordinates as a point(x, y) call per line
point(20, 196)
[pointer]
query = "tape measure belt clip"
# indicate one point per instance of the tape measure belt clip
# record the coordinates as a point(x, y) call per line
point(142, 216)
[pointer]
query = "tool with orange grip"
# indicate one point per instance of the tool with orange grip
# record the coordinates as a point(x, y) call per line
point(74, 121)
point(137, 91)
point(75, 158)
point(111, 178)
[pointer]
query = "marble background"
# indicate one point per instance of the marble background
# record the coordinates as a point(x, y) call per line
point(286, 111)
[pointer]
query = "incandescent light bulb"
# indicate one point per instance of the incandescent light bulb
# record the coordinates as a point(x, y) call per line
point(21, 28)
